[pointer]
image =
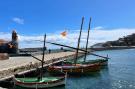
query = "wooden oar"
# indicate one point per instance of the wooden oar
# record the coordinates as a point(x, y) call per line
point(78, 49)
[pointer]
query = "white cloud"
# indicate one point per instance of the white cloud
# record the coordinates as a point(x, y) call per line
point(5, 36)
point(99, 27)
point(96, 36)
point(18, 20)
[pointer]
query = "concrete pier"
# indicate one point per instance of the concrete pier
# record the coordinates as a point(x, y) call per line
point(15, 65)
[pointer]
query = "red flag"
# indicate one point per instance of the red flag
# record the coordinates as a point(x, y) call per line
point(64, 33)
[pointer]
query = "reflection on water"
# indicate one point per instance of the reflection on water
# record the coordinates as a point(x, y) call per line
point(118, 75)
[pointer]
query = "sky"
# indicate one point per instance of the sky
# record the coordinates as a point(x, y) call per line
point(111, 19)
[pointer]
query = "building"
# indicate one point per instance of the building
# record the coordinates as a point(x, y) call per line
point(11, 46)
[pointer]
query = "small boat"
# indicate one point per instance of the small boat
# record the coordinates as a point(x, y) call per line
point(45, 82)
point(79, 67)
point(101, 62)
point(75, 69)
point(41, 81)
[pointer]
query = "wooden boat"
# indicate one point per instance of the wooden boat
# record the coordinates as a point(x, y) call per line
point(41, 81)
point(80, 67)
point(75, 69)
point(101, 62)
point(76, 66)
point(45, 82)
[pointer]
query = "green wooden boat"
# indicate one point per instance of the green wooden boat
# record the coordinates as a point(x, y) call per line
point(35, 83)
point(102, 62)
point(40, 81)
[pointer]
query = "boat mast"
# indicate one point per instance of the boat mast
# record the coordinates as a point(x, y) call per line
point(87, 40)
point(76, 57)
point(43, 57)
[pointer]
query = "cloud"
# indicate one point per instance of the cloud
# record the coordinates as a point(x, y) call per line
point(18, 20)
point(5, 36)
point(99, 27)
point(96, 36)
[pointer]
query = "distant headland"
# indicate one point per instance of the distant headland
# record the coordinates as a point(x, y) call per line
point(125, 42)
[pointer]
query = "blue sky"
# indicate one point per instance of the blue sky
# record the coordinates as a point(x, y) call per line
point(36, 17)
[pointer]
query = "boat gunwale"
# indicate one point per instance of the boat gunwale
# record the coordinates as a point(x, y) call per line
point(31, 83)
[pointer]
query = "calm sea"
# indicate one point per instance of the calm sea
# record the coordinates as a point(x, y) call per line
point(119, 74)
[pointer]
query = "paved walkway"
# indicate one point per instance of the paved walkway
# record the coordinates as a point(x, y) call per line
point(11, 66)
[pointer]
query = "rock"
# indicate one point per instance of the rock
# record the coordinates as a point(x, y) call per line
point(4, 56)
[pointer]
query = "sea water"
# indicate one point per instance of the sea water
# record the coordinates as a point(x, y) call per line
point(119, 74)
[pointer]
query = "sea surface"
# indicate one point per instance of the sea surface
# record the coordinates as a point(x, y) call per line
point(119, 74)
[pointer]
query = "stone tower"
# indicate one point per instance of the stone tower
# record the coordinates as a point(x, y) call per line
point(14, 42)
point(14, 36)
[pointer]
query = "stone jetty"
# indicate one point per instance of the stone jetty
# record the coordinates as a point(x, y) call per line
point(21, 64)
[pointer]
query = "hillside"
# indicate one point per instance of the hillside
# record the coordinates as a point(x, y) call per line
point(128, 40)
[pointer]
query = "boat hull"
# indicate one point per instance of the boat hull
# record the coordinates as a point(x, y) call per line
point(75, 69)
point(40, 84)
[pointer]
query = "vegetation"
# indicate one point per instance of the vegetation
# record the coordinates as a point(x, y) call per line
point(125, 41)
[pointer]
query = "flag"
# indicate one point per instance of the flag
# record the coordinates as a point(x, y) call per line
point(64, 33)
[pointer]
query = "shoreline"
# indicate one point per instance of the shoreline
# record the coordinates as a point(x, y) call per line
point(38, 50)
point(112, 48)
